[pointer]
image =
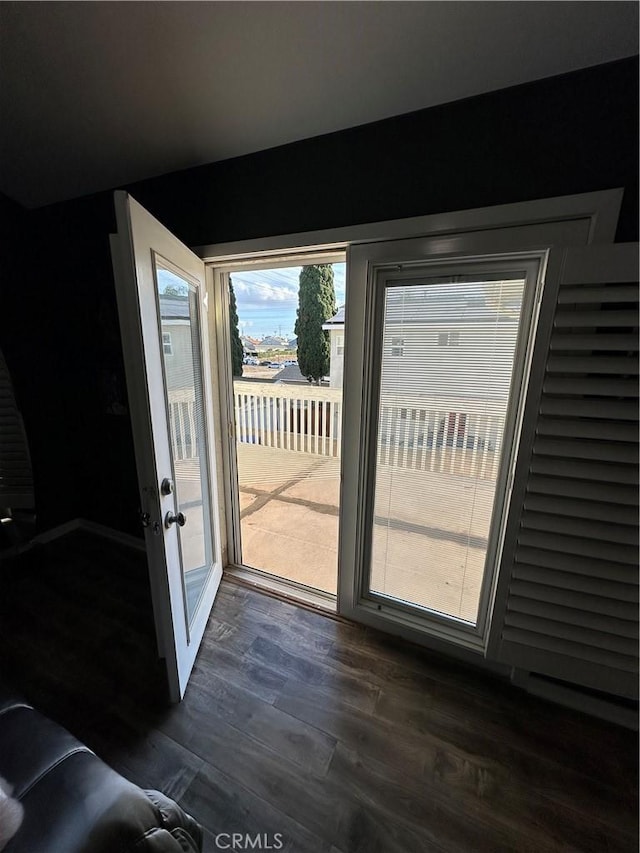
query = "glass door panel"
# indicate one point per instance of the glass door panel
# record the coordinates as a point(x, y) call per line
point(447, 354)
point(180, 336)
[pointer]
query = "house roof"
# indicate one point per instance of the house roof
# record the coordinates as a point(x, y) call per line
point(336, 321)
point(248, 343)
point(174, 307)
point(290, 373)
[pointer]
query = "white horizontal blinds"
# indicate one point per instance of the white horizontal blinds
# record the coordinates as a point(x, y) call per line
point(447, 359)
point(572, 605)
point(16, 480)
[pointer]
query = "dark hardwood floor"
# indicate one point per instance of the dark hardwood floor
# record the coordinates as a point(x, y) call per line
point(341, 739)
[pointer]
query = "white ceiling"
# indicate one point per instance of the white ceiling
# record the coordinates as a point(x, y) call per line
point(99, 94)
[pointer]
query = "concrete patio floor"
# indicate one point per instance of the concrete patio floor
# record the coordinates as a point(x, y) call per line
point(428, 546)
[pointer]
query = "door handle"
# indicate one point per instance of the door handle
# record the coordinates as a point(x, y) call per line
point(170, 518)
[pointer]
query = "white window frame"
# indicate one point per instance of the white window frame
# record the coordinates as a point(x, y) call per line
point(526, 226)
point(340, 344)
point(167, 342)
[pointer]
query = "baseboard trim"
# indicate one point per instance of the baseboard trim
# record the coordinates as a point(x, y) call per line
point(90, 527)
point(576, 699)
point(57, 532)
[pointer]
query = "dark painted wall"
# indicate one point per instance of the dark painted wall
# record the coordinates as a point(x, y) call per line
point(559, 136)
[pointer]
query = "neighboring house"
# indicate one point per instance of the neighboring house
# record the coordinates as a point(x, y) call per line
point(335, 327)
point(447, 358)
point(431, 354)
point(176, 341)
point(249, 345)
point(440, 346)
point(438, 350)
point(177, 347)
point(254, 345)
point(272, 342)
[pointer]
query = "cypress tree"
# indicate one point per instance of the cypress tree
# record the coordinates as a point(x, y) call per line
point(316, 305)
point(237, 350)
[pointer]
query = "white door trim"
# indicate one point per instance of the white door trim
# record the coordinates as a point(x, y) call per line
point(601, 208)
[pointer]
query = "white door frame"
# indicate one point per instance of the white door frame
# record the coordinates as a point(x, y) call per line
point(217, 283)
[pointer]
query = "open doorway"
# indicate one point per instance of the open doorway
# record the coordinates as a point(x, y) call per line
point(286, 352)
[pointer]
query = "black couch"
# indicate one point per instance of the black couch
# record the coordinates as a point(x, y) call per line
point(73, 802)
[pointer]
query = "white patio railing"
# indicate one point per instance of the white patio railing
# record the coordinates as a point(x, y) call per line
point(308, 418)
point(182, 423)
point(304, 418)
point(438, 439)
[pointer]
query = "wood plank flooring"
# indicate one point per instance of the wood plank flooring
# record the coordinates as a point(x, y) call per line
point(341, 739)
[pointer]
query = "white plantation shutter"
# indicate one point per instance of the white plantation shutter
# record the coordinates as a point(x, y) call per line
point(567, 600)
point(16, 481)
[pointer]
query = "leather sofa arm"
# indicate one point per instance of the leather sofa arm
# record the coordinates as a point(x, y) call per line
point(176, 823)
point(74, 803)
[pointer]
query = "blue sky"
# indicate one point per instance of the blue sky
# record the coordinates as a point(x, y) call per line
point(267, 300)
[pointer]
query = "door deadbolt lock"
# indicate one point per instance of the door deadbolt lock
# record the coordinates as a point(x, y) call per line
point(166, 487)
point(180, 519)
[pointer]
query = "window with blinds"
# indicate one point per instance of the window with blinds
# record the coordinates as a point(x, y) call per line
point(441, 414)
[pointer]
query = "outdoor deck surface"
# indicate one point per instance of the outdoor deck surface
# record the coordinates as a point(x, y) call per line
point(289, 504)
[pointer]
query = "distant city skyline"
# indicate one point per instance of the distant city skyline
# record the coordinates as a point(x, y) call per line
point(267, 300)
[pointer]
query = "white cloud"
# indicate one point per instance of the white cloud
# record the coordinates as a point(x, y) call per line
point(258, 292)
point(277, 287)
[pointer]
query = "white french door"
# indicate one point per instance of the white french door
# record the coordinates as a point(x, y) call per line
point(447, 347)
point(162, 303)
point(443, 334)
point(448, 323)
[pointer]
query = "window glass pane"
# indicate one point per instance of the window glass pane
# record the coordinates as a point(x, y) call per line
point(441, 418)
point(179, 320)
